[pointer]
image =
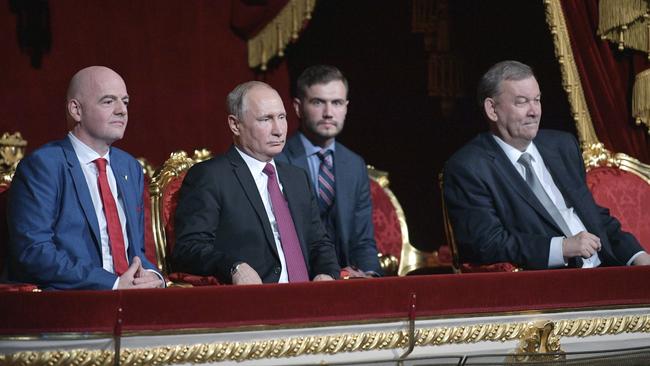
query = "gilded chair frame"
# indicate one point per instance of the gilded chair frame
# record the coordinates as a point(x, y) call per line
point(12, 150)
point(178, 163)
point(594, 152)
point(411, 257)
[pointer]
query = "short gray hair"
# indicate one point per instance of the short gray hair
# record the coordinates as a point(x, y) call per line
point(490, 84)
point(235, 99)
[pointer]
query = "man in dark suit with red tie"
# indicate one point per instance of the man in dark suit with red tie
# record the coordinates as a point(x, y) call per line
point(246, 218)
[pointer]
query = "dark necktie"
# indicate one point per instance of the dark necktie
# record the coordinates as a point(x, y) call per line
point(296, 267)
point(114, 228)
point(536, 186)
point(325, 180)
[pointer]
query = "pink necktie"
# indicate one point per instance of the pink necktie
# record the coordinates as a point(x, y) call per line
point(115, 237)
point(288, 238)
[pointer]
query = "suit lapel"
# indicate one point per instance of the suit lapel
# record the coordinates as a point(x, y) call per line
point(515, 180)
point(344, 183)
point(81, 187)
point(296, 153)
point(243, 174)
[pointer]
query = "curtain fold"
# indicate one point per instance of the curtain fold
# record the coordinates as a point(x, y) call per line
point(607, 78)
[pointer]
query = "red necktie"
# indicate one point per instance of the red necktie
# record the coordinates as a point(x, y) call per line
point(293, 257)
point(115, 237)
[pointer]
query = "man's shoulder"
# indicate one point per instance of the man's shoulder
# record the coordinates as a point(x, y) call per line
point(476, 148)
point(50, 153)
point(343, 152)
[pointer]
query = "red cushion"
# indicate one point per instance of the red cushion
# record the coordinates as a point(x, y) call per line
point(627, 196)
point(388, 234)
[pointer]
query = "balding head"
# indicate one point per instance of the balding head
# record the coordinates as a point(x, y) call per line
point(96, 104)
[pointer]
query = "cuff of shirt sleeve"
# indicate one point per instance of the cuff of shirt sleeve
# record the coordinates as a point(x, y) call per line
point(629, 263)
point(555, 257)
point(117, 280)
point(159, 276)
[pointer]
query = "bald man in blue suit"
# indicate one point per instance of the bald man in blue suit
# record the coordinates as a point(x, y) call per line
point(57, 228)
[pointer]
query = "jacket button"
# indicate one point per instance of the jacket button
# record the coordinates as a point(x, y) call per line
point(277, 270)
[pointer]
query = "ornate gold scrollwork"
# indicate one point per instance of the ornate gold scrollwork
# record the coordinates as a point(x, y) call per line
point(411, 257)
point(177, 163)
point(12, 150)
point(538, 343)
point(537, 338)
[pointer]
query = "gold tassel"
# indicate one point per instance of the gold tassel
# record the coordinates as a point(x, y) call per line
point(624, 22)
point(276, 35)
point(641, 98)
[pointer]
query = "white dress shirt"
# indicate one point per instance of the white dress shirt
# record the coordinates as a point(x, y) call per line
point(555, 258)
point(256, 168)
point(86, 157)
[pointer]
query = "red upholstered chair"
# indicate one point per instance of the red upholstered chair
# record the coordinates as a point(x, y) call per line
point(453, 248)
point(164, 188)
point(12, 149)
point(397, 256)
point(622, 184)
point(149, 242)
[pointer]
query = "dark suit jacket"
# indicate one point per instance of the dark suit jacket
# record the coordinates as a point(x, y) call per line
point(220, 220)
point(352, 212)
point(54, 234)
point(497, 218)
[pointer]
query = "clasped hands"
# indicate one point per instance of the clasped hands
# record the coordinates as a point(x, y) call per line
point(138, 277)
point(246, 275)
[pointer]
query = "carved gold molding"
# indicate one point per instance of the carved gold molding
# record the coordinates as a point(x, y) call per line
point(411, 257)
point(177, 163)
point(537, 337)
point(593, 151)
point(570, 76)
point(12, 150)
point(284, 28)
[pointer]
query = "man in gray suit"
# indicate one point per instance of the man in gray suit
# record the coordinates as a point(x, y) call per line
point(338, 175)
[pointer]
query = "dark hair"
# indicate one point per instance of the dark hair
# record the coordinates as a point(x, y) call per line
point(318, 74)
point(490, 84)
point(235, 99)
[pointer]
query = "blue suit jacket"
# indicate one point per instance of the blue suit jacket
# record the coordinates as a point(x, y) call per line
point(355, 236)
point(53, 229)
point(497, 218)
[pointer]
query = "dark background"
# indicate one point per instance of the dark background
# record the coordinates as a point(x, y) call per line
point(180, 58)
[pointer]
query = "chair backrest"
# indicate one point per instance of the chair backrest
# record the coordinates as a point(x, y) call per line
point(396, 253)
point(164, 189)
point(457, 265)
point(626, 195)
point(12, 150)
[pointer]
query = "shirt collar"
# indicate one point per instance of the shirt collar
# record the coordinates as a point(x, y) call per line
point(311, 149)
point(254, 165)
point(84, 153)
point(514, 154)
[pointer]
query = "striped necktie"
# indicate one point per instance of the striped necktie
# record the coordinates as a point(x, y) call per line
point(325, 180)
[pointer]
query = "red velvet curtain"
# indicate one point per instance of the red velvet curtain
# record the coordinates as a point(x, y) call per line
point(607, 78)
point(179, 60)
